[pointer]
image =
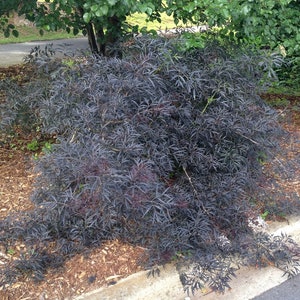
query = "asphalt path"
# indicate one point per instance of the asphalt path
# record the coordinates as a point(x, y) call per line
point(11, 54)
point(289, 290)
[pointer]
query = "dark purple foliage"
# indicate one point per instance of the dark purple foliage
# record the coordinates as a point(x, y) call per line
point(159, 149)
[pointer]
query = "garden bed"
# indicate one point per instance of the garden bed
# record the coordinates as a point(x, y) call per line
point(113, 260)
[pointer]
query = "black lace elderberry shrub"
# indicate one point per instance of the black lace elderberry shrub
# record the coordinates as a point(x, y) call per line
point(159, 149)
point(22, 109)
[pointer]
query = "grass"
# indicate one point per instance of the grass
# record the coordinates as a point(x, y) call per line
point(280, 96)
point(167, 22)
point(284, 90)
point(31, 33)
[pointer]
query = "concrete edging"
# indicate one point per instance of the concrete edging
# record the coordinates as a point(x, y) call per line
point(248, 284)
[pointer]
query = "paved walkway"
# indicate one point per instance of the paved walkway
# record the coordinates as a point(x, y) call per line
point(289, 290)
point(14, 53)
point(11, 54)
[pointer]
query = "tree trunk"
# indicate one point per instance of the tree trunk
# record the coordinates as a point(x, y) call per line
point(91, 38)
point(101, 40)
point(113, 36)
point(98, 39)
point(107, 41)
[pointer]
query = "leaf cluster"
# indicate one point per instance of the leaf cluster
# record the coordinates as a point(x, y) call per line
point(159, 149)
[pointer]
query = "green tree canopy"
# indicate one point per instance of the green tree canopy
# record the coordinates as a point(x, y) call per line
point(268, 23)
point(104, 21)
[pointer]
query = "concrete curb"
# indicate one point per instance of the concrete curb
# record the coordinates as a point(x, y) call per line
point(138, 286)
point(248, 284)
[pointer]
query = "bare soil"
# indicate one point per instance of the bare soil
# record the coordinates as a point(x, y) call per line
point(105, 265)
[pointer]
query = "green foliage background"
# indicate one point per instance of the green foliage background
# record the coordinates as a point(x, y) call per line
point(270, 23)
